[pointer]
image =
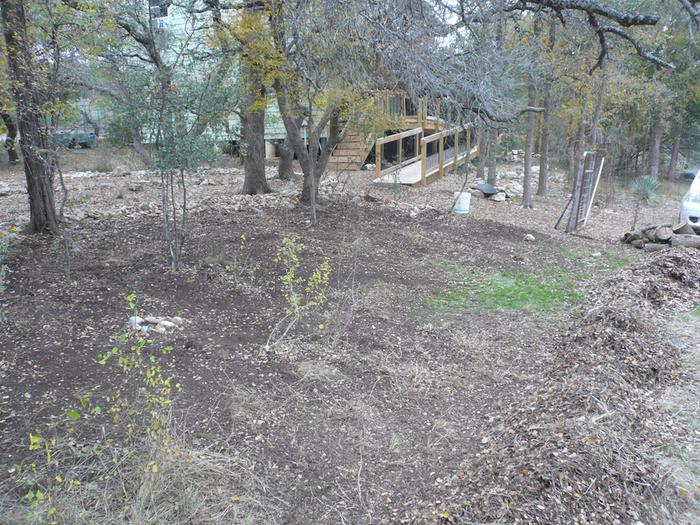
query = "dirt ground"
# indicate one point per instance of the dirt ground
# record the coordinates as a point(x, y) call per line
point(372, 401)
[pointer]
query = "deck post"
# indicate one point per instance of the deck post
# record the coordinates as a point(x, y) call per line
point(378, 160)
point(441, 154)
point(423, 162)
point(416, 151)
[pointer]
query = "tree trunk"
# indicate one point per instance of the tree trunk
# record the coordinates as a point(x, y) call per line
point(672, 173)
point(544, 143)
point(689, 241)
point(598, 112)
point(529, 144)
point(655, 146)
point(572, 151)
point(253, 133)
point(11, 137)
point(492, 177)
point(683, 227)
point(285, 169)
point(34, 142)
point(483, 152)
point(579, 149)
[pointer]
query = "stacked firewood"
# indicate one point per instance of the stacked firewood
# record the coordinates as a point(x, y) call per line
point(655, 237)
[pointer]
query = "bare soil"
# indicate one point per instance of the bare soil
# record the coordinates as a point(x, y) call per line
point(364, 419)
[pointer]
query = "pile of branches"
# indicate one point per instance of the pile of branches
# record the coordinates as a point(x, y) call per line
point(579, 447)
point(657, 237)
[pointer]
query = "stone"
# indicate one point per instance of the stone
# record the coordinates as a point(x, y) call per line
point(4, 190)
point(177, 320)
point(529, 237)
point(153, 320)
point(498, 197)
point(135, 321)
point(596, 254)
point(160, 329)
point(477, 193)
point(486, 189)
point(167, 324)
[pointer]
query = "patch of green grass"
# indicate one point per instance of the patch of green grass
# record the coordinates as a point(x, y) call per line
point(689, 419)
point(694, 314)
point(607, 260)
point(616, 262)
point(674, 450)
point(572, 254)
point(512, 291)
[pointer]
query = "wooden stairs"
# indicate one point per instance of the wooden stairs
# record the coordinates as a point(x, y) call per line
point(351, 153)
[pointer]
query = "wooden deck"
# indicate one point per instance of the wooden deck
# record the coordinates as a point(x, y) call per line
point(412, 174)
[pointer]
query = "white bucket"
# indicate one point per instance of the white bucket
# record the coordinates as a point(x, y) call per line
point(463, 201)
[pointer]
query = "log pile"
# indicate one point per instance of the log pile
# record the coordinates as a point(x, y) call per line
point(657, 237)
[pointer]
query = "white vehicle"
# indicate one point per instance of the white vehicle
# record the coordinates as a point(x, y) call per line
point(690, 205)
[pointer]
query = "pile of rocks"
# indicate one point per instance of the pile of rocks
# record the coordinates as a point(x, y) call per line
point(160, 325)
point(509, 190)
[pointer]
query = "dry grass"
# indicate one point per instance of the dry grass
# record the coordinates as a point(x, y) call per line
point(577, 449)
point(193, 484)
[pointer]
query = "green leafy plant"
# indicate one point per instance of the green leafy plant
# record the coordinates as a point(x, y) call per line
point(646, 190)
point(301, 294)
point(46, 478)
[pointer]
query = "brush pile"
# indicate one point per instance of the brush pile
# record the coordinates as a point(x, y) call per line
point(657, 237)
point(578, 447)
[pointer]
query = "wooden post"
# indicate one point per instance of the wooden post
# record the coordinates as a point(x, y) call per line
point(424, 162)
point(378, 160)
point(441, 154)
point(400, 151)
point(416, 151)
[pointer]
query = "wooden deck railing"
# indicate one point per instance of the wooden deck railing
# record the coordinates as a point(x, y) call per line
point(453, 149)
point(432, 156)
point(401, 161)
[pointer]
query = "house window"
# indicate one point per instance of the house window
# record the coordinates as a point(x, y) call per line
point(158, 8)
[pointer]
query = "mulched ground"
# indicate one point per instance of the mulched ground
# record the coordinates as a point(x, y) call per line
point(379, 417)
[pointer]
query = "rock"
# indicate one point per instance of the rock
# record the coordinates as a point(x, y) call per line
point(177, 320)
point(135, 322)
point(135, 187)
point(529, 237)
point(596, 254)
point(160, 329)
point(4, 190)
point(477, 193)
point(369, 167)
point(513, 189)
point(486, 189)
point(153, 320)
point(498, 197)
point(167, 324)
